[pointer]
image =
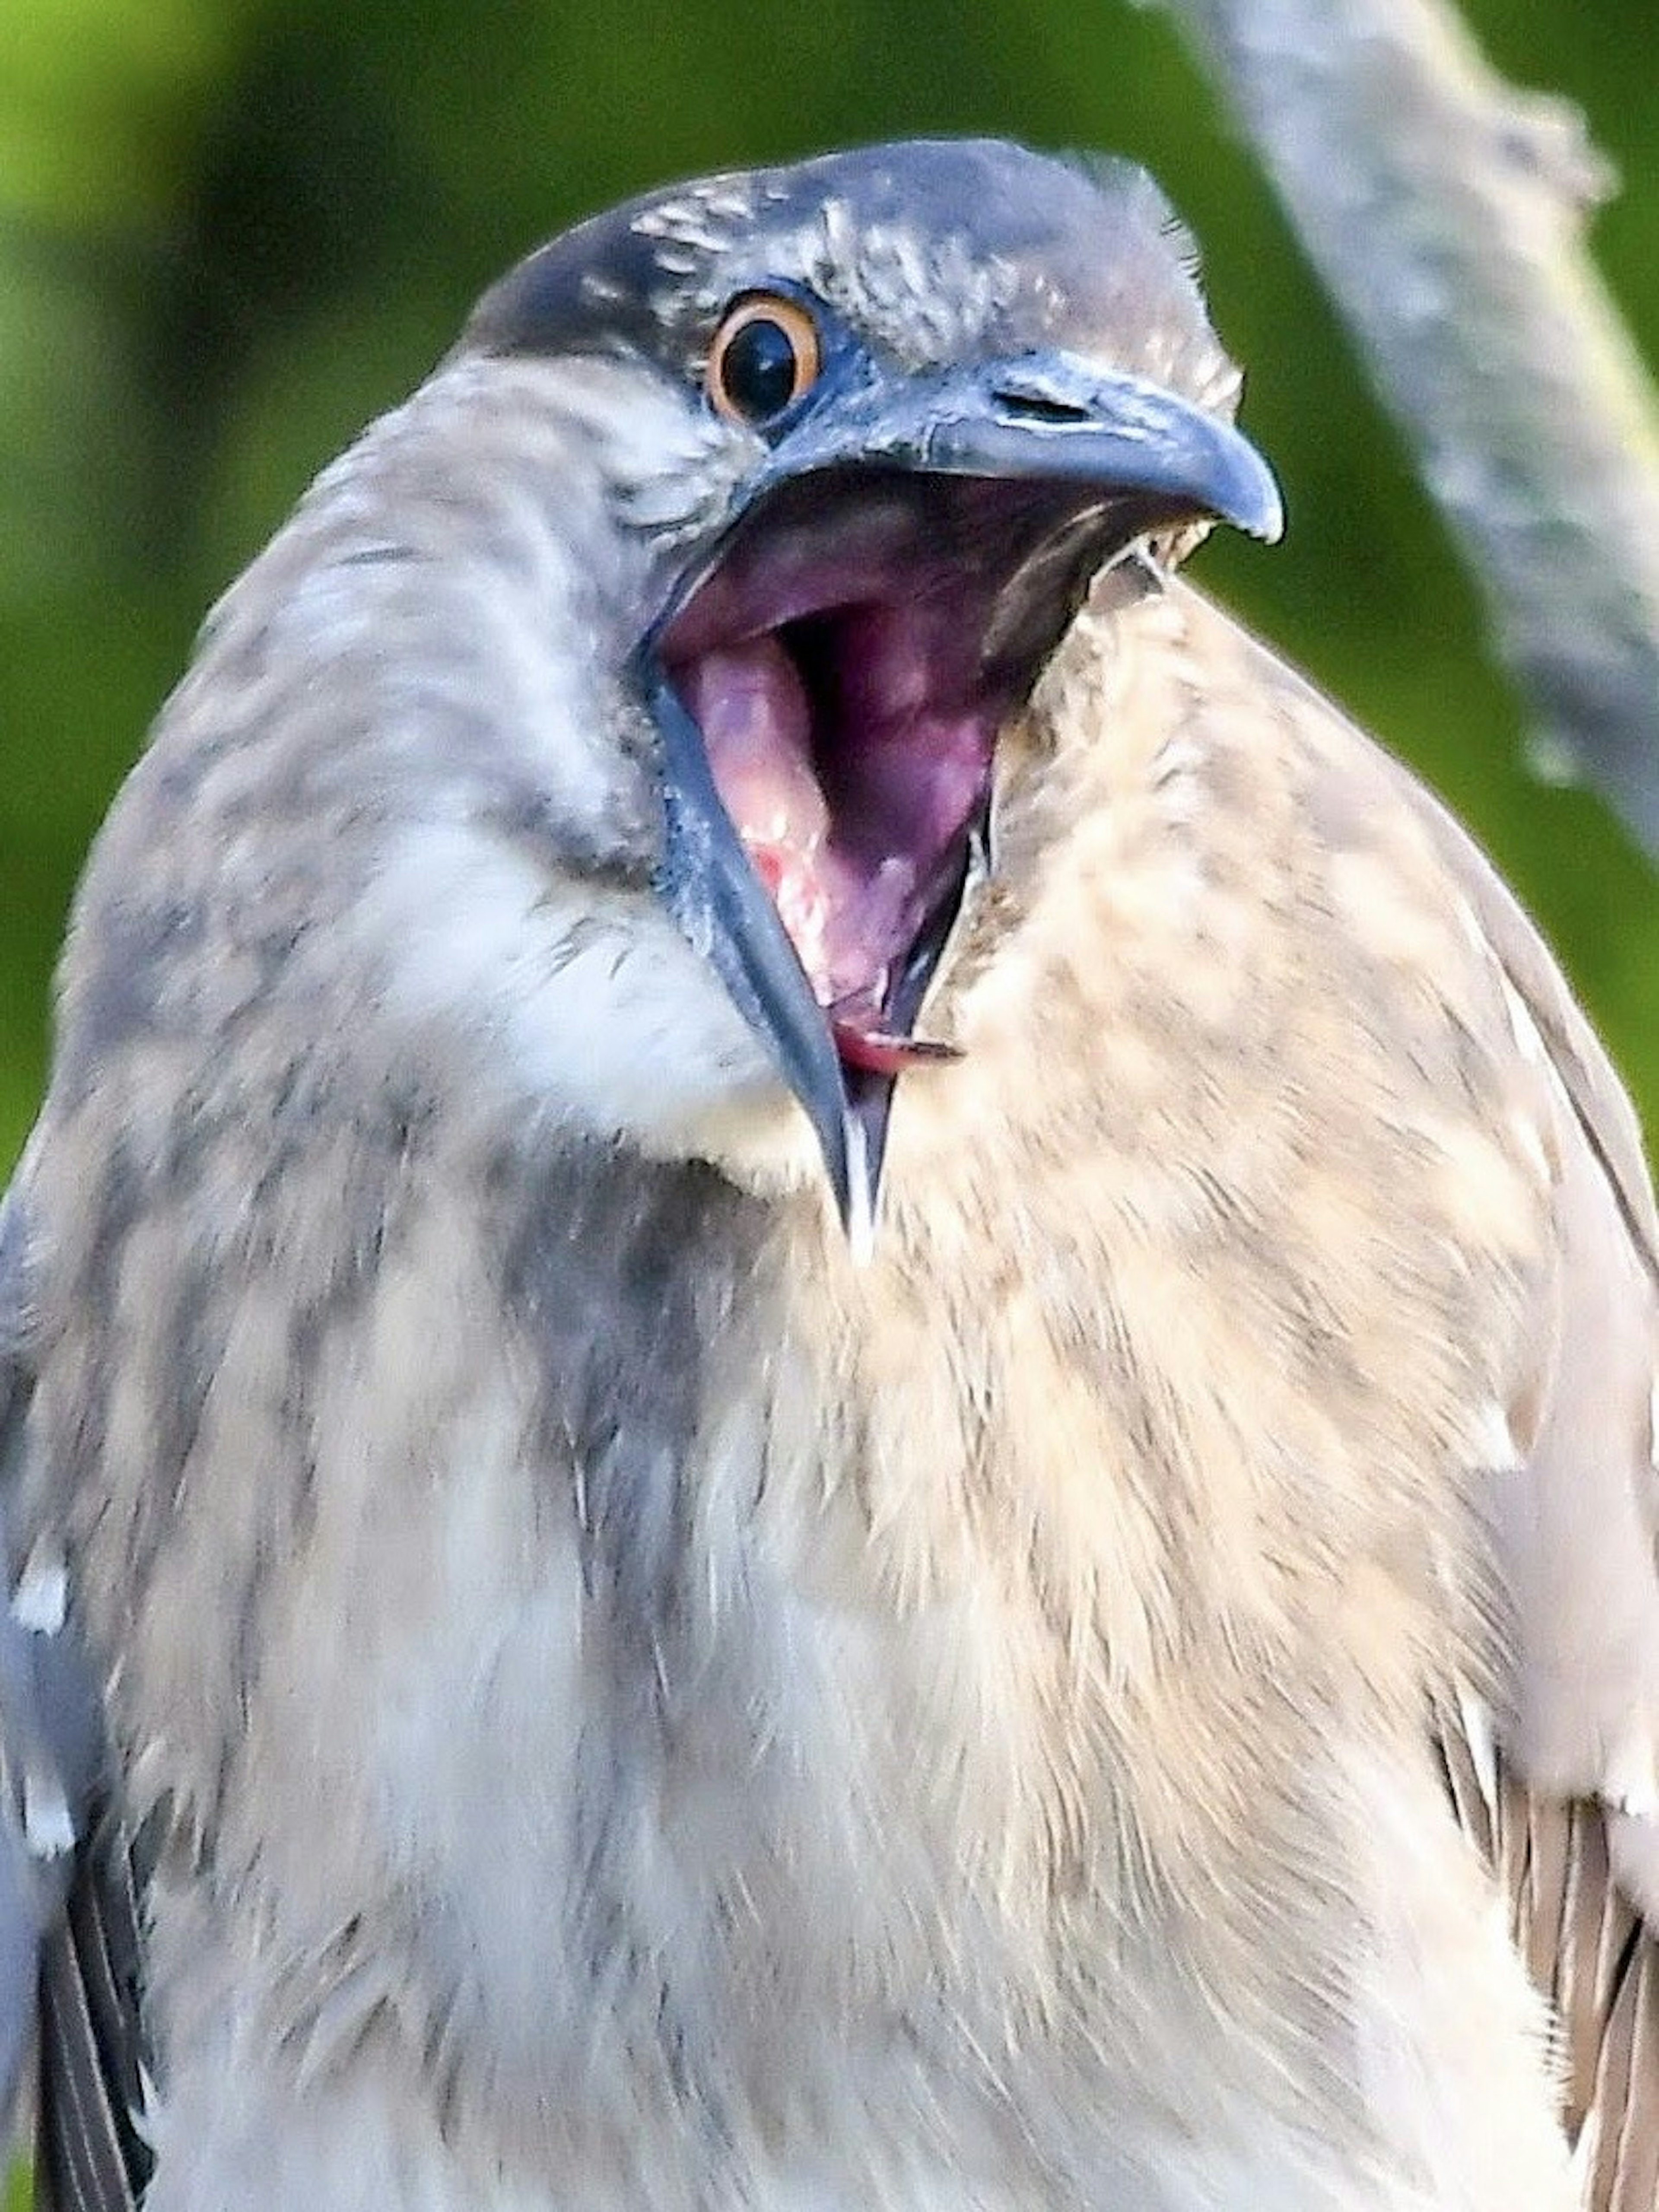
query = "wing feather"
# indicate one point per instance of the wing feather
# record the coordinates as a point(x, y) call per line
point(1574, 1841)
point(1558, 1789)
point(92, 2154)
point(68, 1918)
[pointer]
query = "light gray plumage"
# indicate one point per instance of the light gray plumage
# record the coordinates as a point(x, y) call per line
point(1084, 1691)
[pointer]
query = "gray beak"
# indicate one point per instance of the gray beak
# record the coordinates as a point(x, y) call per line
point(1050, 417)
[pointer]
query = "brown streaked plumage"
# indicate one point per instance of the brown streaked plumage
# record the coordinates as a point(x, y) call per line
point(676, 1621)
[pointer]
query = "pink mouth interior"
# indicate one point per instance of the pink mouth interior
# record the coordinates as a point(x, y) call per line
point(835, 664)
point(855, 840)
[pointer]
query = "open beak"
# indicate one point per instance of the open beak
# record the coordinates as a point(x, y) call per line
point(828, 686)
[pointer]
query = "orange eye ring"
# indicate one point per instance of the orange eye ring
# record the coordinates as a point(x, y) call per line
point(766, 353)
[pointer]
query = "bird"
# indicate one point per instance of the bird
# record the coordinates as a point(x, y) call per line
point(827, 1364)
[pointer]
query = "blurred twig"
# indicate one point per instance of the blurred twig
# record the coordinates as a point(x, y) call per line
point(1445, 213)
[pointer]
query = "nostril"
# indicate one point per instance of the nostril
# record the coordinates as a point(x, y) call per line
point(1032, 403)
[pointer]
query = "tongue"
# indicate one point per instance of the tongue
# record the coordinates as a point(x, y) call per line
point(863, 1042)
point(850, 913)
point(751, 707)
point(757, 727)
point(844, 916)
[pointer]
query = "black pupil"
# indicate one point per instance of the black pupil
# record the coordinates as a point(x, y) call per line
point(758, 368)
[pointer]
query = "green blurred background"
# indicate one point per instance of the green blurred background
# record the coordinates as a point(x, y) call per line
point(232, 230)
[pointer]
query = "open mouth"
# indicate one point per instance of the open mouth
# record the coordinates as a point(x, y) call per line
point(849, 660)
point(828, 688)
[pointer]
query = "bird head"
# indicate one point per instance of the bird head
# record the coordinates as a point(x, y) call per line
point(933, 388)
point(643, 677)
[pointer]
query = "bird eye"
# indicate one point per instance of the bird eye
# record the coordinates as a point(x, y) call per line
point(765, 355)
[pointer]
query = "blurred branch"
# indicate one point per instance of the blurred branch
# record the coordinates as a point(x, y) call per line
point(1445, 213)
